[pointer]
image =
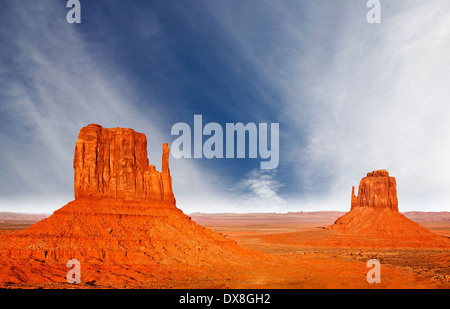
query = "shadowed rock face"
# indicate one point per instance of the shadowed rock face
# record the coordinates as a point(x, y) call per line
point(113, 163)
point(376, 190)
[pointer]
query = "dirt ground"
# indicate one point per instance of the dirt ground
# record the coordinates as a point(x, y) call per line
point(284, 259)
point(332, 266)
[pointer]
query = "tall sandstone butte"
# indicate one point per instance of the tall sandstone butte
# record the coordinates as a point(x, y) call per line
point(124, 212)
point(113, 163)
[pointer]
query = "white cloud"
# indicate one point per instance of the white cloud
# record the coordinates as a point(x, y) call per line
point(263, 187)
point(55, 87)
point(257, 192)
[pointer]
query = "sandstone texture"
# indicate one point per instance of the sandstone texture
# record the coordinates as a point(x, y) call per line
point(376, 190)
point(113, 163)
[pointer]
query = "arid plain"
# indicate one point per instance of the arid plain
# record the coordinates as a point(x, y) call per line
point(284, 257)
point(324, 259)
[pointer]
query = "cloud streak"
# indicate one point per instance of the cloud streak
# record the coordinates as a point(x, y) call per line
point(53, 84)
point(380, 103)
point(263, 186)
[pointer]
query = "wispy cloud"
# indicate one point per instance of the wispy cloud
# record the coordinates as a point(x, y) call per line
point(381, 103)
point(52, 84)
point(263, 191)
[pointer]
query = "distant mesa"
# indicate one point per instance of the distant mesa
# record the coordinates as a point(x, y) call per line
point(374, 213)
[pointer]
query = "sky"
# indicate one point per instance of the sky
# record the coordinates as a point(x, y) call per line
point(349, 96)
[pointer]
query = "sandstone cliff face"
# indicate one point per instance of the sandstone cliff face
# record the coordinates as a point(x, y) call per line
point(113, 163)
point(124, 212)
point(376, 190)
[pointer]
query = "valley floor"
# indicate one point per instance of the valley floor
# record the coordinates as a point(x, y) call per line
point(283, 259)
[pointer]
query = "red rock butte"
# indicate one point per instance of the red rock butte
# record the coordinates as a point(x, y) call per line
point(124, 211)
point(376, 190)
point(374, 213)
point(113, 163)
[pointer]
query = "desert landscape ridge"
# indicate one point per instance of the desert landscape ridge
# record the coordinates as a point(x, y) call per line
point(125, 229)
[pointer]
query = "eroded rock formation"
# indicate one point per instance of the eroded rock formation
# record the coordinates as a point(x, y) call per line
point(124, 212)
point(113, 163)
point(374, 213)
point(376, 190)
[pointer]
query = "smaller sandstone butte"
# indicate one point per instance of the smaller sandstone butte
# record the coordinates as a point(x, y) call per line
point(113, 163)
point(374, 214)
point(377, 190)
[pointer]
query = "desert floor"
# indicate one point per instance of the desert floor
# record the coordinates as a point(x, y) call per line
point(285, 258)
point(332, 263)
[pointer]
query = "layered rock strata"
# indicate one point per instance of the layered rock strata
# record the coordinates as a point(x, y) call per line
point(124, 212)
point(113, 163)
point(376, 190)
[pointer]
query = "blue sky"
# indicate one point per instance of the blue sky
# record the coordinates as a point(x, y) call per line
point(350, 97)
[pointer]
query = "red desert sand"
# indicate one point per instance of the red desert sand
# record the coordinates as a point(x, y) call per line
point(126, 231)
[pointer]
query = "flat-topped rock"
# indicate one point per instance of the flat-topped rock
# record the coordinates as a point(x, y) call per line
point(376, 190)
point(113, 163)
